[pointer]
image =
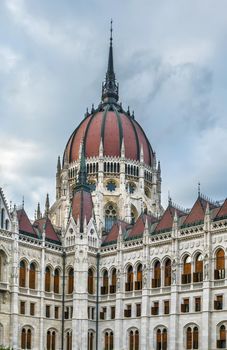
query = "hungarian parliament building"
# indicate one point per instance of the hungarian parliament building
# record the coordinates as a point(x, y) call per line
point(106, 266)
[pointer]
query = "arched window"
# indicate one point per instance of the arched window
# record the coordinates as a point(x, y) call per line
point(110, 216)
point(51, 340)
point(26, 338)
point(186, 276)
point(70, 280)
point(2, 217)
point(108, 340)
point(3, 260)
point(113, 281)
point(56, 280)
point(90, 340)
point(164, 339)
point(221, 342)
point(90, 282)
point(192, 338)
point(189, 338)
point(69, 340)
point(168, 272)
point(22, 274)
point(139, 277)
point(158, 339)
point(134, 340)
point(156, 281)
point(47, 279)
point(198, 274)
point(219, 271)
point(195, 338)
point(32, 276)
point(129, 278)
point(105, 283)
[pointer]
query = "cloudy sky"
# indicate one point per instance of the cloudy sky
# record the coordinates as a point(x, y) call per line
point(170, 61)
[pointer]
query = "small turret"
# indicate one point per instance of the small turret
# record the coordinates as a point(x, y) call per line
point(38, 212)
point(47, 206)
point(58, 179)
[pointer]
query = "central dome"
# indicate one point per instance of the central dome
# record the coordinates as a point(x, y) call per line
point(112, 126)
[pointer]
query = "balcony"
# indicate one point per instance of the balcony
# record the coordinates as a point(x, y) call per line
point(128, 286)
point(156, 282)
point(138, 285)
point(197, 276)
point(104, 290)
point(186, 278)
point(112, 289)
point(221, 344)
point(219, 274)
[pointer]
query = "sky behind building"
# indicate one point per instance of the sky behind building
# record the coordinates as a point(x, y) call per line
point(170, 61)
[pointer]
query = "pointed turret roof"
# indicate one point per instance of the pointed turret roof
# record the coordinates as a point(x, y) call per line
point(197, 213)
point(222, 212)
point(166, 221)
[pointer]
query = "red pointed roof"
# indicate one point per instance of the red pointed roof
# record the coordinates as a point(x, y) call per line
point(222, 212)
point(197, 213)
point(138, 228)
point(25, 225)
point(112, 236)
point(45, 224)
point(166, 221)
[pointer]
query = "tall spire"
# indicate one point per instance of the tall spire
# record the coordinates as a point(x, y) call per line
point(110, 87)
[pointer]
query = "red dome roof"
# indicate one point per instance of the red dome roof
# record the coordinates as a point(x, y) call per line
point(112, 125)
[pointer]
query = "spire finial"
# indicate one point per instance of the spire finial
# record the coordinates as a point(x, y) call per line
point(111, 31)
point(110, 87)
point(199, 189)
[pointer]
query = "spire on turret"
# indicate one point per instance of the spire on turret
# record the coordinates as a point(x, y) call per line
point(110, 87)
point(47, 206)
point(38, 212)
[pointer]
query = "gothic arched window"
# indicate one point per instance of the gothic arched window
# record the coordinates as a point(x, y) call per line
point(56, 280)
point(110, 216)
point(198, 274)
point(22, 274)
point(70, 280)
point(90, 281)
point(168, 272)
point(69, 340)
point(219, 271)
point(156, 281)
point(47, 279)
point(26, 338)
point(32, 276)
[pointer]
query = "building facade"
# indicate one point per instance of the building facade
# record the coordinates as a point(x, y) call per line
point(106, 266)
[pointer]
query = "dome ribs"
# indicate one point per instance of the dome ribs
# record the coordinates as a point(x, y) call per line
point(136, 136)
point(148, 145)
point(112, 125)
point(78, 134)
point(119, 126)
point(89, 148)
point(103, 124)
